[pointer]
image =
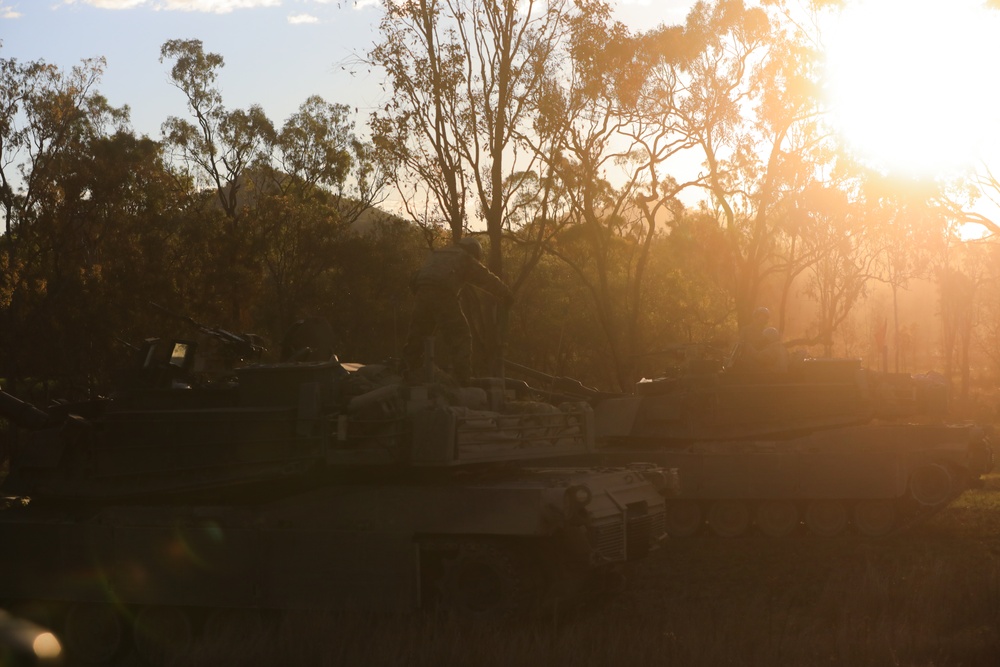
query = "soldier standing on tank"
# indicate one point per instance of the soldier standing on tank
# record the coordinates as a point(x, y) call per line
point(752, 335)
point(773, 357)
point(751, 341)
point(436, 287)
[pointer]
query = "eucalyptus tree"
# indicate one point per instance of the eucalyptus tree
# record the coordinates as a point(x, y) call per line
point(763, 147)
point(987, 333)
point(628, 118)
point(958, 297)
point(728, 107)
point(218, 144)
point(317, 151)
point(45, 112)
point(634, 114)
point(285, 197)
point(585, 200)
point(912, 230)
point(461, 79)
point(320, 182)
point(217, 147)
point(840, 275)
point(52, 123)
point(20, 84)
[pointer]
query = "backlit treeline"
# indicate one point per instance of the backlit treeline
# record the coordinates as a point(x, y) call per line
point(642, 191)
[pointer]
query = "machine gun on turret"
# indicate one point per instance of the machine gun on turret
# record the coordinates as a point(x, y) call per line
point(22, 413)
point(244, 347)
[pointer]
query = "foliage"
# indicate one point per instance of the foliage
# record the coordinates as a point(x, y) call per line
point(463, 77)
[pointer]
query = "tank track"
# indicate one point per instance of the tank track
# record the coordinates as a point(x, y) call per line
point(914, 515)
point(924, 514)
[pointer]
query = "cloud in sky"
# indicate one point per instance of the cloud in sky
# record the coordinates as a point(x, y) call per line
point(206, 6)
point(212, 6)
point(358, 4)
point(109, 4)
point(8, 12)
point(302, 18)
point(106, 4)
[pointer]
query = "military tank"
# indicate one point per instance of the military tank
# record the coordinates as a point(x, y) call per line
point(191, 499)
point(825, 447)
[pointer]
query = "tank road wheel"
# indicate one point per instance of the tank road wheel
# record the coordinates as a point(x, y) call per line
point(161, 633)
point(93, 632)
point(729, 518)
point(930, 484)
point(826, 518)
point(684, 518)
point(777, 518)
point(874, 518)
point(487, 579)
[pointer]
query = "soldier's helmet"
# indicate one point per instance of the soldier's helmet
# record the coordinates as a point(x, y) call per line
point(472, 246)
point(761, 313)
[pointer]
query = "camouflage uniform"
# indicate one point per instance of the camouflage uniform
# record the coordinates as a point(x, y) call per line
point(751, 341)
point(436, 287)
point(772, 357)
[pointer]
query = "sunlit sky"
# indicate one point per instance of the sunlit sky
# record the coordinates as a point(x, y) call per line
point(914, 82)
point(912, 79)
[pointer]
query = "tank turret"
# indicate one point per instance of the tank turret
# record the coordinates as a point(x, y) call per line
point(702, 401)
point(169, 430)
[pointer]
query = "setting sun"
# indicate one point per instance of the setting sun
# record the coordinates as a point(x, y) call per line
point(911, 83)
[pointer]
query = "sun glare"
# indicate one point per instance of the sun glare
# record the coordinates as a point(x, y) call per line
point(912, 83)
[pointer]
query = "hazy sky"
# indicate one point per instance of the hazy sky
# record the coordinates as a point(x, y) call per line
point(277, 52)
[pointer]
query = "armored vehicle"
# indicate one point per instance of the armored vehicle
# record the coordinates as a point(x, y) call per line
point(189, 501)
point(824, 447)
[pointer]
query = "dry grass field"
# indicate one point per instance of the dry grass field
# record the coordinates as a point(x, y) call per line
point(929, 598)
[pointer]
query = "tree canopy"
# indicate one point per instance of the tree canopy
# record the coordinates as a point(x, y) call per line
point(641, 191)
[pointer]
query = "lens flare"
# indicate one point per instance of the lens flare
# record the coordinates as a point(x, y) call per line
point(46, 646)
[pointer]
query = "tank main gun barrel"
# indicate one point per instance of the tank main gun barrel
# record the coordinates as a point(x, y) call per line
point(22, 413)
